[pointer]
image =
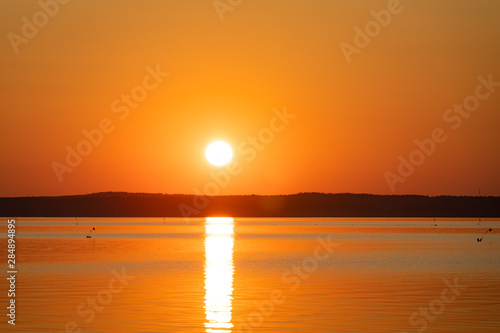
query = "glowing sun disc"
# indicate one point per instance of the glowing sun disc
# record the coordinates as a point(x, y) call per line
point(219, 153)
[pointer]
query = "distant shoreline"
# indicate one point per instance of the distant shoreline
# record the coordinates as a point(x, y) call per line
point(308, 205)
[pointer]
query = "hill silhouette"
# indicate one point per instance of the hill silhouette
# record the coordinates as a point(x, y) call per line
point(121, 204)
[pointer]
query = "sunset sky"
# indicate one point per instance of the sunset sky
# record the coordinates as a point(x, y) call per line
point(339, 120)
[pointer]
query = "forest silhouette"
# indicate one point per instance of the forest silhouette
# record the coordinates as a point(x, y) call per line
point(121, 204)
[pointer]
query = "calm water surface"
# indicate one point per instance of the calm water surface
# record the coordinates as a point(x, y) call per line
point(255, 275)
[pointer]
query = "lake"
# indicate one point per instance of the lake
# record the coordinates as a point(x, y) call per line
point(255, 275)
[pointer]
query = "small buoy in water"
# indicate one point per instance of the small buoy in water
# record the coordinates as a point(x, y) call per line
point(481, 239)
point(88, 236)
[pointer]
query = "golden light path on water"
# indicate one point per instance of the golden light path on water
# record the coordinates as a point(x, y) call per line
point(219, 270)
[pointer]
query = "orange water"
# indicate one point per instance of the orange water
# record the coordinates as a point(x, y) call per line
point(255, 275)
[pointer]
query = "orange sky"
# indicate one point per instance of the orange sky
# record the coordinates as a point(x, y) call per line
point(353, 117)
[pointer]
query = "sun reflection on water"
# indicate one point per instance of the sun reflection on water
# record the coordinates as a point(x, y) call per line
point(219, 270)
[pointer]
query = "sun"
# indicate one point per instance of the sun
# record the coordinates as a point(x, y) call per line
point(219, 153)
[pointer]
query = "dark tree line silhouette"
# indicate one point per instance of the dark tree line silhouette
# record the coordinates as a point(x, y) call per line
point(121, 204)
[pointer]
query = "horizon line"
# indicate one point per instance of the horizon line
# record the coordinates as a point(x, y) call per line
point(243, 195)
